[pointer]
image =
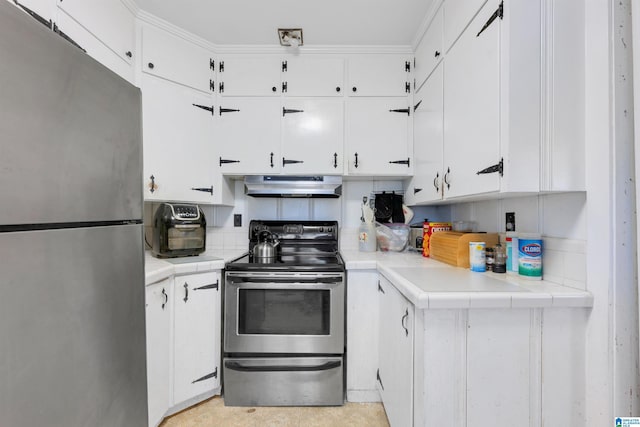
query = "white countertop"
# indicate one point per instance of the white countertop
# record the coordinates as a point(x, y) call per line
point(431, 284)
point(157, 269)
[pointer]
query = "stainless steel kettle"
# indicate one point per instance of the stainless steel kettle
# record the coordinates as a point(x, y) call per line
point(266, 250)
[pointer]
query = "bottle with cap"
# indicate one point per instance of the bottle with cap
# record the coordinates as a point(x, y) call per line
point(499, 259)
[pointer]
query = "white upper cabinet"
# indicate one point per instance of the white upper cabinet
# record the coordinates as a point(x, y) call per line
point(472, 109)
point(313, 76)
point(426, 184)
point(379, 75)
point(173, 58)
point(312, 136)
point(248, 136)
point(250, 76)
point(429, 52)
point(457, 15)
point(44, 8)
point(179, 145)
point(377, 136)
point(108, 20)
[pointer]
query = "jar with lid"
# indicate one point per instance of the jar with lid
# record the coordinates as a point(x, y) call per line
point(500, 259)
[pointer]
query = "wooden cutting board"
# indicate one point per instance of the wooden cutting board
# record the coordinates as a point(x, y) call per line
point(452, 247)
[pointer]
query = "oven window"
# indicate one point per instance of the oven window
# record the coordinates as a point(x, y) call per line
point(284, 312)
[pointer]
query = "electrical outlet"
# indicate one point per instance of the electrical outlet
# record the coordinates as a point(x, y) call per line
point(237, 220)
point(510, 221)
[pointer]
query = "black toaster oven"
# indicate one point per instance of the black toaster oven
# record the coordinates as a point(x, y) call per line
point(178, 230)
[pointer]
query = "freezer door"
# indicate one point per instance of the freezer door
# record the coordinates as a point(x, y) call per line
point(71, 144)
point(72, 328)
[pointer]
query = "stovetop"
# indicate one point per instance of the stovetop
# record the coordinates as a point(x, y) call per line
point(304, 246)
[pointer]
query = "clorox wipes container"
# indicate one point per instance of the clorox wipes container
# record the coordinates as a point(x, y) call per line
point(530, 256)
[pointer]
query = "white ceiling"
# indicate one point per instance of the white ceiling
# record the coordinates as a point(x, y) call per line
point(324, 22)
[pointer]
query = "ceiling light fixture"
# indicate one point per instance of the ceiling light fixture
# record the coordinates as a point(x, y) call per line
point(290, 37)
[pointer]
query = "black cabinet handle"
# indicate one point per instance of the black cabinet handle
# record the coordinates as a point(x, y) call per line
point(150, 65)
point(271, 159)
point(338, 89)
point(152, 185)
point(405, 317)
point(354, 89)
point(290, 162)
point(335, 160)
point(204, 189)
point(436, 54)
point(499, 167)
point(213, 374)
point(446, 178)
point(225, 161)
point(204, 107)
point(129, 54)
point(273, 89)
point(435, 182)
point(417, 190)
point(356, 163)
point(401, 110)
point(402, 162)
point(166, 298)
point(186, 292)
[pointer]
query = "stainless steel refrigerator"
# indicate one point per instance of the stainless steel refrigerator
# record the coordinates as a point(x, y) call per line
point(72, 326)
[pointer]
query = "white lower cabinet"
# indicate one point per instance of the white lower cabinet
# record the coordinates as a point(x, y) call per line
point(183, 316)
point(158, 303)
point(196, 343)
point(362, 335)
point(395, 372)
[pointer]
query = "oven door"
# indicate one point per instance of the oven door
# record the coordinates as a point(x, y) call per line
point(284, 313)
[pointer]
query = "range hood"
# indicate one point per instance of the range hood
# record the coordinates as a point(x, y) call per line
point(293, 186)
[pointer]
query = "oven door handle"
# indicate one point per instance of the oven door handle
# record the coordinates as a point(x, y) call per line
point(236, 366)
point(280, 280)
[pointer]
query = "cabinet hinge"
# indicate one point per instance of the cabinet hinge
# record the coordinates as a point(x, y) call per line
point(499, 13)
point(59, 32)
point(379, 379)
point(401, 110)
point(212, 64)
point(204, 190)
point(290, 162)
point(284, 66)
point(212, 85)
point(402, 162)
point(213, 374)
point(499, 167)
point(221, 87)
point(225, 161)
point(290, 111)
point(284, 87)
point(228, 110)
point(415, 107)
point(211, 286)
point(407, 87)
point(204, 107)
point(407, 66)
point(380, 289)
point(221, 66)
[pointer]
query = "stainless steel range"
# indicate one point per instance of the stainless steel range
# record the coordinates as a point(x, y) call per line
point(285, 319)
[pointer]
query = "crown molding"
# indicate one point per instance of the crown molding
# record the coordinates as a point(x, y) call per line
point(148, 18)
point(132, 6)
point(319, 49)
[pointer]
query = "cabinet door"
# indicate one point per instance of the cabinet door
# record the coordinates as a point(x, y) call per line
point(457, 15)
point(172, 58)
point(43, 8)
point(377, 137)
point(312, 133)
point(427, 140)
point(248, 139)
point(108, 20)
point(178, 142)
point(305, 76)
point(472, 108)
point(95, 47)
point(429, 52)
point(196, 344)
point(362, 336)
point(250, 76)
point(158, 302)
point(379, 75)
point(395, 374)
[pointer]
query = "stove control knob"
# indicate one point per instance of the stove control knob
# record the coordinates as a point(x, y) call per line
point(329, 229)
point(321, 229)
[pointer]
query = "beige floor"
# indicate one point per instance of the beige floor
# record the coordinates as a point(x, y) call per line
point(212, 412)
